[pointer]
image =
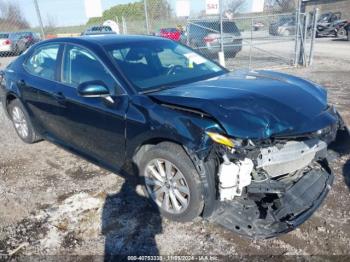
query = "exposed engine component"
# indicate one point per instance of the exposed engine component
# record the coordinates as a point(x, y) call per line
point(290, 157)
point(280, 209)
point(234, 177)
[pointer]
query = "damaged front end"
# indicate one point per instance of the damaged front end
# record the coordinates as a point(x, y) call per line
point(271, 187)
point(270, 154)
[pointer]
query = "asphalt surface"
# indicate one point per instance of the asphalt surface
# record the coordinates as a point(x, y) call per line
point(54, 203)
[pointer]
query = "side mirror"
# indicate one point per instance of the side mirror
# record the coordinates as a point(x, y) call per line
point(93, 89)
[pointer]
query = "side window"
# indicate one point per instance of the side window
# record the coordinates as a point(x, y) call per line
point(43, 62)
point(81, 66)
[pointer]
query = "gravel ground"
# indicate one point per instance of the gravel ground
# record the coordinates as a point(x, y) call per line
point(54, 203)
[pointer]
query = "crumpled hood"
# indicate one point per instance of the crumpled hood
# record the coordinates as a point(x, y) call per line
point(256, 105)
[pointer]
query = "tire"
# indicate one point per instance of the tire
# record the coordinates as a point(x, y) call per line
point(174, 154)
point(341, 33)
point(21, 122)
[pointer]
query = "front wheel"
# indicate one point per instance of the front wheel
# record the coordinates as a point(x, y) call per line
point(171, 182)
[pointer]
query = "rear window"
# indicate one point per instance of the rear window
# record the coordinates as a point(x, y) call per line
point(171, 30)
point(16, 36)
point(214, 27)
point(230, 27)
point(4, 35)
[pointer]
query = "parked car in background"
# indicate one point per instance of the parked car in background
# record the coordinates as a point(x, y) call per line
point(30, 38)
point(331, 24)
point(204, 36)
point(245, 149)
point(12, 43)
point(283, 26)
point(258, 26)
point(329, 17)
point(170, 33)
point(336, 28)
point(98, 30)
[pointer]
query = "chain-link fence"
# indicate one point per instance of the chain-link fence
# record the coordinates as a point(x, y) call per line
point(249, 33)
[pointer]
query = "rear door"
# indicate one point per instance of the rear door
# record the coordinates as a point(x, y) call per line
point(95, 126)
point(38, 86)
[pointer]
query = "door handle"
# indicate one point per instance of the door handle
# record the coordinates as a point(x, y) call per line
point(59, 97)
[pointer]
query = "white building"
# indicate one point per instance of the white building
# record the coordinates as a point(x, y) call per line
point(252, 6)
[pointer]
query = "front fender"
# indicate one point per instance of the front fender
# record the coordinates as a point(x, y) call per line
point(151, 123)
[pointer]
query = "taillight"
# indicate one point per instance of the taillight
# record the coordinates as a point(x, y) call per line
point(209, 39)
point(7, 42)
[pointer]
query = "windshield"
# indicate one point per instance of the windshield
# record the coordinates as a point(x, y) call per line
point(160, 64)
point(4, 35)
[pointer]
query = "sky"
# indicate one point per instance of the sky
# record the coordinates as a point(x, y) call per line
point(72, 12)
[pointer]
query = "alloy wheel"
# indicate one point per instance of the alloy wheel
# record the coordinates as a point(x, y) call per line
point(20, 122)
point(167, 186)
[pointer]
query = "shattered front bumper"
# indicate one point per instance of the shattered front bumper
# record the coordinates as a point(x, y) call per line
point(281, 203)
point(248, 217)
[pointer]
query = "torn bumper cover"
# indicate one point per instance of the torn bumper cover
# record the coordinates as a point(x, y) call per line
point(265, 216)
point(290, 180)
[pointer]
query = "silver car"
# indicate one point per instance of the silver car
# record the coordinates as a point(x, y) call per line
point(12, 43)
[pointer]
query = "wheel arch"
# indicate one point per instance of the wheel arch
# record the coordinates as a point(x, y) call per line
point(206, 168)
point(10, 96)
point(149, 143)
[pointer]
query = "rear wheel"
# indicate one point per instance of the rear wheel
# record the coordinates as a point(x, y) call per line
point(171, 182)
point(22, 123)
point(341, 33)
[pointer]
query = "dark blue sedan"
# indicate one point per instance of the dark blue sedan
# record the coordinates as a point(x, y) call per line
point(247, 150)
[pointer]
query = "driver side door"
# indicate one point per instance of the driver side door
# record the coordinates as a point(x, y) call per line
point(94, 126)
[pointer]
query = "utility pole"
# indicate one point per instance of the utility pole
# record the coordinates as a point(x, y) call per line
point(313, 37)
point(39, 18)
point(221, 54)
point(297, 35)
point(146, 16)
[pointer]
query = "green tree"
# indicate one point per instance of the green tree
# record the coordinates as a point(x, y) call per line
point(11, 16)
point(157, 9)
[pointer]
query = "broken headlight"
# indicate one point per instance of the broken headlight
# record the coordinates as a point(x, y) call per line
point(221, 139)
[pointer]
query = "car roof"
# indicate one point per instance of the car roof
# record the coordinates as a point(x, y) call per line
point(105, 39)
point(99, 26)
point(98, 32)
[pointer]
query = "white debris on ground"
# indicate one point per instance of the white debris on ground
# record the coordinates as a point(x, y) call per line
point(80, 211)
